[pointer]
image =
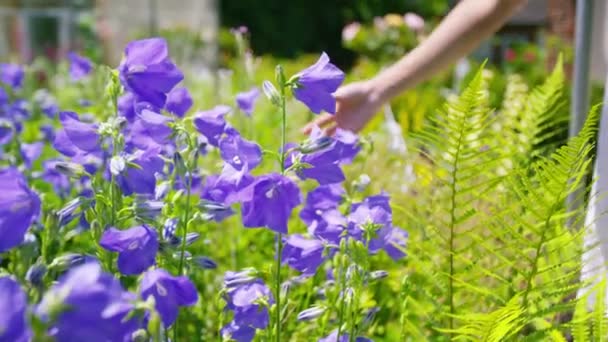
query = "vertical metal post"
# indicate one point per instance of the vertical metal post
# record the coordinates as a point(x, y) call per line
point(579, 105)
point(153, 8)
point(582, 57)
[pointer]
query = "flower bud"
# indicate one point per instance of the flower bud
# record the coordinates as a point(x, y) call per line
point(311, 313)
point(377, 275)
point(117, 165)
point(149, 209)
point(35, 274)
point(204, 262)
point(271, 93)
point(66, 214)
point(279, 76)
point(72, 170)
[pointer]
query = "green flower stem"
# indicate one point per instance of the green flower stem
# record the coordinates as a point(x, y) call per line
point(279, 235)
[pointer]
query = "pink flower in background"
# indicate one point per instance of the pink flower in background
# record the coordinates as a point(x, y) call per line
point(349, 32)
point(380, 24)
point(510, 55)
point(413, 21)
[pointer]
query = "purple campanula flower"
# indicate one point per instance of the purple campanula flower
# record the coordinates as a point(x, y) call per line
point(269, 201)
point(88, 305)
point(13, 305)
point(304, 255)
point(324, 155)
point(12, 75)
point(141, 180)
point(371, 221)
point(80, 66)
point(19, 207)
point(46, 102)
point(239, 333)
point(48, 132)
point(4, 99)
point(169, 293)
point(321, 199)
point(333, 337)
point(211, 123)
point(126, 106)
point(316, 85)
point(179, 101)
point(245, 300)
point(31, 152)
point(150, 130)
point(136, 247)
point(60, 182)
point(395, 243)
point(238, 152)
point(246, 100)
point(147, 71)
point(6, 131)
point(225, 190)
point(76, 137)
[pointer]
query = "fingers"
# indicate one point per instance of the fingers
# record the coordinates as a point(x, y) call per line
point(320, 121)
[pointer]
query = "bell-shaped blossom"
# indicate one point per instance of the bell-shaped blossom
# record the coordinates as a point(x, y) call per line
point(141, 179)
point(269, 201)
point(371, 221)
point(302, 254)
point(19, 207)
point(50, 174)
point(46, 102)
point(169, 293)
point(324, 155)
point(246, 300)
point(136, 247)
point(126, 106)
point(150, 130)
point(179, 101)
point(211, 123)
point(246, 100)
point(80, 66)
point(31, 152)
point(316, 85)
point(147, 71)
point(13, 306)
point(76, 137)
point(6, 131)
point(88, 304)
point(12, 75)
point(238, 152)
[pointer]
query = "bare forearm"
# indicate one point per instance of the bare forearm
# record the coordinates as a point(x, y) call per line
point(469, 23)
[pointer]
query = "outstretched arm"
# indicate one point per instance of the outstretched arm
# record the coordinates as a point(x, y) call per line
point(465, 27)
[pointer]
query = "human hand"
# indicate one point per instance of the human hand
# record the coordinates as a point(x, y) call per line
point(356, 104)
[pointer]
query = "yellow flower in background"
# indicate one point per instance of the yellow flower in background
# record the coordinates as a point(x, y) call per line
point(393, 20)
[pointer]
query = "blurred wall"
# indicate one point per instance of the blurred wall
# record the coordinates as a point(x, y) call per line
point(599, 42)
point(122, 21)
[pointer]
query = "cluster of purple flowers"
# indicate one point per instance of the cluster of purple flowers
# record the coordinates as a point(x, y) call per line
point(134, 150)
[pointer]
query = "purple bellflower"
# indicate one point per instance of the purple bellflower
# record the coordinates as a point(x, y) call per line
point(316, 85)
point(147, 71)
point(80, 66)
point(13, 305)
point(150, 130)
point(76, 137)
point(246, 100)
point(126, 106)
point(31, 152)
point(140, 180)
point(238, 152)
point(88, 305)
point(211, 123)
point(19, 207)
point(136, 247)
point(179, 101)
point(269, 201)
point(12, 75)
point(244, 299)
point(304, 255)
point(169, 293)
